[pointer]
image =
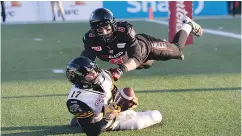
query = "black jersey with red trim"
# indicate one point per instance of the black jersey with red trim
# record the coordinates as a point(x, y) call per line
point(126, 44)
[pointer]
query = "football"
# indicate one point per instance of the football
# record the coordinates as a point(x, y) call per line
point(125, 98)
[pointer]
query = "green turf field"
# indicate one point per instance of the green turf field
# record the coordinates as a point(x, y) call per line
point(199, 96)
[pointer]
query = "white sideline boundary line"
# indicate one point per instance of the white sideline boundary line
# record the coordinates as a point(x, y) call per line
point(210, 31)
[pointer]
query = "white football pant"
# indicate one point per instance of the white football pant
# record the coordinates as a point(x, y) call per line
point(131, 120)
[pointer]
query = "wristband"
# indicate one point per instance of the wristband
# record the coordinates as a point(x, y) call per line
point(123, 68)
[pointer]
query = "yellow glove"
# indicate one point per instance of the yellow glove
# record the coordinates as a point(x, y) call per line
point(111, 111)
point(135, 103)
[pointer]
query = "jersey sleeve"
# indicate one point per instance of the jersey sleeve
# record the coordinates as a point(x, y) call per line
point(134, 49)
point(88, 51)
point(92, 129)
point(89, 54)
point(84, 116)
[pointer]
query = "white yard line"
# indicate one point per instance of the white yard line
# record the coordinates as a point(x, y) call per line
point(222, 33)
point(37, 39)
point(58, 71)
point(210, 31)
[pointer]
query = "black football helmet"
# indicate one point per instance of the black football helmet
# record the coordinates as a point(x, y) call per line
point(102, 23)
point(77, 68)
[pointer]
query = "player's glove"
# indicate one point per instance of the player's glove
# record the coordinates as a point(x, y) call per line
point(134, 103)
point(116, 73)
point(111, 111)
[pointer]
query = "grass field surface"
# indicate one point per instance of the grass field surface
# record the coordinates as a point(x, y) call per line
point(199, 96)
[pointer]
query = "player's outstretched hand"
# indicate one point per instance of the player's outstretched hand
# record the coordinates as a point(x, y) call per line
point(111, 111)
point(116, 73)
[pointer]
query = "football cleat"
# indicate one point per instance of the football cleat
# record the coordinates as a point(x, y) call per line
point(182, 57)
point(196, 28)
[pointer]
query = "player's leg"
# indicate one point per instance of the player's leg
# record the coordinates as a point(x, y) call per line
point(61, 10)
point(188, 27)
point(162, 50)
point(131, 120)
point(3, 11)
point(53, 8)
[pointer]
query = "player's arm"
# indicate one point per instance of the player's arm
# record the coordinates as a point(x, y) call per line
point(134, 52)
point(92, 129)
point(135, 58)
point(84, 116)
point(95, 129)
point(88, 51)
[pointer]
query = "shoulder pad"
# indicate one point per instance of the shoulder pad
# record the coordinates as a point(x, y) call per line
point(89, 34)
point(90, 39)
point(123, 26)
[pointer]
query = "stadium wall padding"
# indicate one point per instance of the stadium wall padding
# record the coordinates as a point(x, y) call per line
point(28, 11)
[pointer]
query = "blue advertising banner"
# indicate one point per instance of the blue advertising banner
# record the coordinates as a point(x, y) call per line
point(139, 9)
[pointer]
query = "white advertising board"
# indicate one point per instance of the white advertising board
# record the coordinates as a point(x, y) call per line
point(21, 11)
point(73, 10)
point(37, 11)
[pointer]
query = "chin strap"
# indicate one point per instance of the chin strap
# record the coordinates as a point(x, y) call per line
point(99, 79)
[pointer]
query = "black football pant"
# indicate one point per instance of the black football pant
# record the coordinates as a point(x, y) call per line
point(163, 50)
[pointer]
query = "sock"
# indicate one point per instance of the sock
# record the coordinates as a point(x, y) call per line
point(182, 39)
point(187, 28)
point(181, 36)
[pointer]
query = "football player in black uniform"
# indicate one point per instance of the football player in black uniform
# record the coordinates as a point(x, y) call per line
point(117, 43)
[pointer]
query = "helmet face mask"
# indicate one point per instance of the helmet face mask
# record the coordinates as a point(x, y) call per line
point(75, 76)
point(105, 32)
point(78, 69)
point(103, 23)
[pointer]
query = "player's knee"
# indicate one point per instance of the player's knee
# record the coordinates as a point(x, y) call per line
point(127, 113)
